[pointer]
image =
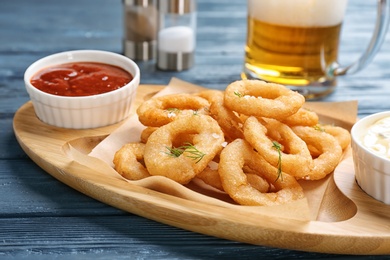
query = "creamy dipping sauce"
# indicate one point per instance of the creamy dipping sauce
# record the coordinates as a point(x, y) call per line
point(377, 138)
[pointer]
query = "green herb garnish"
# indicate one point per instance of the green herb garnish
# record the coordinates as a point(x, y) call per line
point(319, 128)
point(188, 149)
point(278, 148)
point(238, 94)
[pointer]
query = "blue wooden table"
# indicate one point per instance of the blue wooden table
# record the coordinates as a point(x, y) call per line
point(42, 218)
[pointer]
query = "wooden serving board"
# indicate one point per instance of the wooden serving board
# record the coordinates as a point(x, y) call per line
point(349, 221)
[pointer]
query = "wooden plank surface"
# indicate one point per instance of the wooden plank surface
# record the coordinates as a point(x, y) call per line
point(40, 218)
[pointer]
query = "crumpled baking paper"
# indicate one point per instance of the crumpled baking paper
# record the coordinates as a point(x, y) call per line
point(100, 159)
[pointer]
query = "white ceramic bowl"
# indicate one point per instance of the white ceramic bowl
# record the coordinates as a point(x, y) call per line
point(372, 171)
point(85, 111)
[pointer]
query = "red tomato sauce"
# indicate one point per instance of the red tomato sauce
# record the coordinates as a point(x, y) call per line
point(80, 79)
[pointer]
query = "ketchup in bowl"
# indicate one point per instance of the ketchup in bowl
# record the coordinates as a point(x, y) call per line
point(80, 79)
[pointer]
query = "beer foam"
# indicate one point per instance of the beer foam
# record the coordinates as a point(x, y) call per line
point(303, 13)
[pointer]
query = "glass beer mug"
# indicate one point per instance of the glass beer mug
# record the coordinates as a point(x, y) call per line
point(296, 42)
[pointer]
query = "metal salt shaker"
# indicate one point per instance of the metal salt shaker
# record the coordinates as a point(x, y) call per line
point(176, 37)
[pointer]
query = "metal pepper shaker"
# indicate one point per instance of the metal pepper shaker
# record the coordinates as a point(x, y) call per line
point(140, 29)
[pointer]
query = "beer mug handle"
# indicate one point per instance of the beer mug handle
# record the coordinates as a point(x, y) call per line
point(382, 23)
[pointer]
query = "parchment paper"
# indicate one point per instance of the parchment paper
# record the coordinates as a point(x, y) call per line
point(100, 159)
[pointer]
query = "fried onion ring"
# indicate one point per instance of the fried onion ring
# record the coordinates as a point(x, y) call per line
point(329, 148)
point(128, 161)
point(240, 153)
point(258, 182)
point(207, 139)
point(146, 133)
point(161, 110)
point(230, 123)
point(211, 177)
point(295, 156)
point(261, 99)
point(342, 135)
point(303, 117)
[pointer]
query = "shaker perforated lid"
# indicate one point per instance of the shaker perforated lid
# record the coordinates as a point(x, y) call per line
point(177, 6)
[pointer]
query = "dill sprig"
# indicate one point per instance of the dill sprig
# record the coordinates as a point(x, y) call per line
point(238, 94)
point(319, 128)
point(278, 148)
point(174, 110)
point(189, 149)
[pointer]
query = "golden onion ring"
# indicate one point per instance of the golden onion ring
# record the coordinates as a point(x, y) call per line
point(207, 139)
point(239, 154)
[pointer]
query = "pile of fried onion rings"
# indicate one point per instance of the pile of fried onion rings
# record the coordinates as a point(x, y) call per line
point(253, 141)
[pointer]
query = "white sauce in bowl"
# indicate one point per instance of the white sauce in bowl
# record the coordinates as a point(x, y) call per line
point(377, 138)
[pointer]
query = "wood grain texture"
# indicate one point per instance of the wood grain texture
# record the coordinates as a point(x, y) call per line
point(41, 218)
point(45, 145)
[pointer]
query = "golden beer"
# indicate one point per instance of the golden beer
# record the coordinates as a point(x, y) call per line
point(290, 55)
point(294, 43)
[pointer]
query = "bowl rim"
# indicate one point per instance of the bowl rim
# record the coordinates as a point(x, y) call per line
point(357, 127)
point(31, 70)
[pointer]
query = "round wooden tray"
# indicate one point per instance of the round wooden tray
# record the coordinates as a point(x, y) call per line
point(348, 222)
